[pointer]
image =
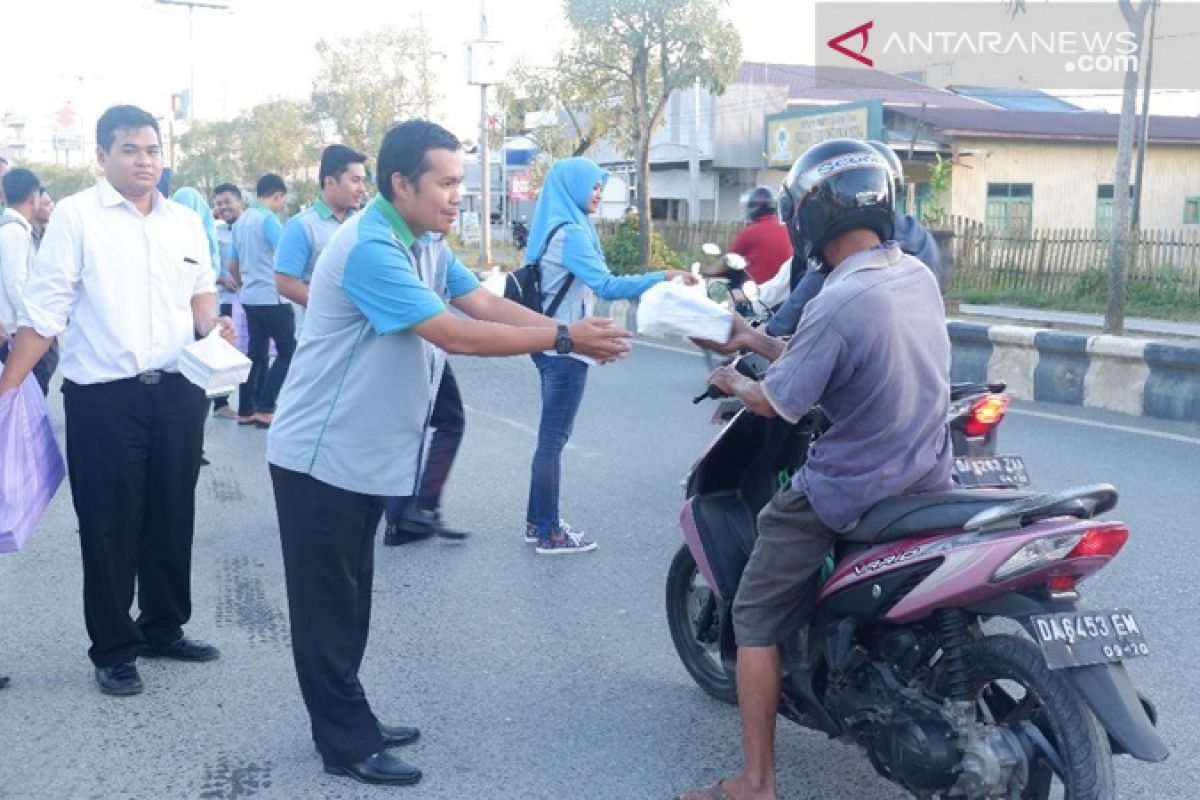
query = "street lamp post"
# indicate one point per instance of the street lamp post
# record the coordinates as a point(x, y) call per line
point(192, 5)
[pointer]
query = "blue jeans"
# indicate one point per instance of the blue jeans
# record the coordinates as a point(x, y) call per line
point(563, 381)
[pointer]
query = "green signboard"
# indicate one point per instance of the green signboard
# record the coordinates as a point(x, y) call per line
point(791, 133)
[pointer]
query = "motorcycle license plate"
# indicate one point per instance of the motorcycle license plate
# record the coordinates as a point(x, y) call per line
point(1003, 472)
point(1077, 639)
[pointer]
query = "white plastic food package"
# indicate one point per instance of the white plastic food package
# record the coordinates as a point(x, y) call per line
point(214, 365)
point(681, 310)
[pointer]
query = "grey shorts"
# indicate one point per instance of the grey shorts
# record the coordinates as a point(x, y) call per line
point(779, 586)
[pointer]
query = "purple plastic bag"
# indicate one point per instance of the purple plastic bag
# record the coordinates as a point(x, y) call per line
point(31, 465)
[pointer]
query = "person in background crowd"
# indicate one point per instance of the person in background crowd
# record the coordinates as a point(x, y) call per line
point(42, 217)
point(343, 176)
point(227, 204)
point(135, 426)
point(268, 315)
point(16, 261)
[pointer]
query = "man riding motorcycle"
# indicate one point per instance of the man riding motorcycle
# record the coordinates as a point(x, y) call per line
point(764, 242)
point(873, 352)
point(912, 237)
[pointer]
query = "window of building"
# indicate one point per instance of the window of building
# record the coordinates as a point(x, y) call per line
point(1191, 211)
point(1106, 205)
point(1010, 208)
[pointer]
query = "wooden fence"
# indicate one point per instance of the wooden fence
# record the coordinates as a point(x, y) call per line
point(1055, 262)
point(684, 237)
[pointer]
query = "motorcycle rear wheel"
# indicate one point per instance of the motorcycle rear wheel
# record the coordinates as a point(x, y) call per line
point(1013, 687)
point(695, 615)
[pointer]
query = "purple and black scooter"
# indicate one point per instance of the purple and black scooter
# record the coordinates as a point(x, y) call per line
point(949, 638)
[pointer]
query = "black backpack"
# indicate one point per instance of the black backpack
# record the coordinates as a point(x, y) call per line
point(524, 285)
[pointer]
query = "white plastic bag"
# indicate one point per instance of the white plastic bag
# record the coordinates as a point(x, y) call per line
point(681, 310)
point(31, 465)
point(214, 364)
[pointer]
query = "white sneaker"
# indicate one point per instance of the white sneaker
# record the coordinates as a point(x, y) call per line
point(573, 541)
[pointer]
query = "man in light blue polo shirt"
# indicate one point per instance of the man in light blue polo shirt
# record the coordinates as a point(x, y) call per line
point(343, 178)
point(352, 419)
point(268, 316)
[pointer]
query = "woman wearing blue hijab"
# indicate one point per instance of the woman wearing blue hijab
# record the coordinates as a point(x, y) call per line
point(570, 248)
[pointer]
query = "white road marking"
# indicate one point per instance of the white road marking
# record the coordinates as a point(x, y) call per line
point(527, 429)
point(643, 343)
point(1108, 426)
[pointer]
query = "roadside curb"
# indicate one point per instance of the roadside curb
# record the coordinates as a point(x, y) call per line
point(1141, 377)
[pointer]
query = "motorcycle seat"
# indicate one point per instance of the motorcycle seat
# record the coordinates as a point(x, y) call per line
point(915, 514)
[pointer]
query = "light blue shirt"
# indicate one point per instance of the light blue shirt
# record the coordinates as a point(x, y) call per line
point(255, 235)
point(355, 406)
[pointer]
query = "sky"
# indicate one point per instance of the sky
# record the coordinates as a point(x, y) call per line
point(95, 53)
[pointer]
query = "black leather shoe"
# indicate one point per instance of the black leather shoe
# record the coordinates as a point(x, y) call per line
point(382, 769)
point(394, 536)
point(182, 649)
point(397, 735)
point(428, 523)
point(121, 680)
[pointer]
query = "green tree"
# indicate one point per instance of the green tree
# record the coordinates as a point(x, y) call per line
point(208, 155)
point(586, 107)
point(641, 52)
point(368, 83)
point(277, 136)
point(63, 181)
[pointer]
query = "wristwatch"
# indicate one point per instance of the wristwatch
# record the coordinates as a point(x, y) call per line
point(562, 342)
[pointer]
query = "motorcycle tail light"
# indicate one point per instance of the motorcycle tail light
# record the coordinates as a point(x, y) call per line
point(1102, 540)
point(985, 414)
point(1038, 553)
point(1062, 584)
point(1099, 540)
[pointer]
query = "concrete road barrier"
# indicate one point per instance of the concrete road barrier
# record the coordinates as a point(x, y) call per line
point(1132, 376)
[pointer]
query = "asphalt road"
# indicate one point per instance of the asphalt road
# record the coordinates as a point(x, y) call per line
point(530, 677)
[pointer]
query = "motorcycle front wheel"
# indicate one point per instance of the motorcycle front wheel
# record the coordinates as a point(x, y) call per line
point(1071, 758)
point(695, 615)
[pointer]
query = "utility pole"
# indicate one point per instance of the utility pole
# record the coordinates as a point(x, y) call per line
point(482, 66)
point(1144, 134)
point(694, 158)
point(191, 6)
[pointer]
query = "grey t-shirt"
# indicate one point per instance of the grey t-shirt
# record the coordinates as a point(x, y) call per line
point(873, 352)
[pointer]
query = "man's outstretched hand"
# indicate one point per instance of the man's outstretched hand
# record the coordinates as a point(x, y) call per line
point(599, 339)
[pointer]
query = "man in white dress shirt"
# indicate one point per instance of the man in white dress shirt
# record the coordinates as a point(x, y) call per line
point(124, 274)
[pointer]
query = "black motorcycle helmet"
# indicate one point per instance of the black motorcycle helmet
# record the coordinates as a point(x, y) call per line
point(835, 187)
point(893, 161)
point(759, 202)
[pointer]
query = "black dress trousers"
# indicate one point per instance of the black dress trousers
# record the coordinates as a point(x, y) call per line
point(328, 537)
point(133, 457)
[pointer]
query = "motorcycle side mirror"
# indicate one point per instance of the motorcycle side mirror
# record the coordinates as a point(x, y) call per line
point(710, 249)
point(718, 291)
point(735, 261)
